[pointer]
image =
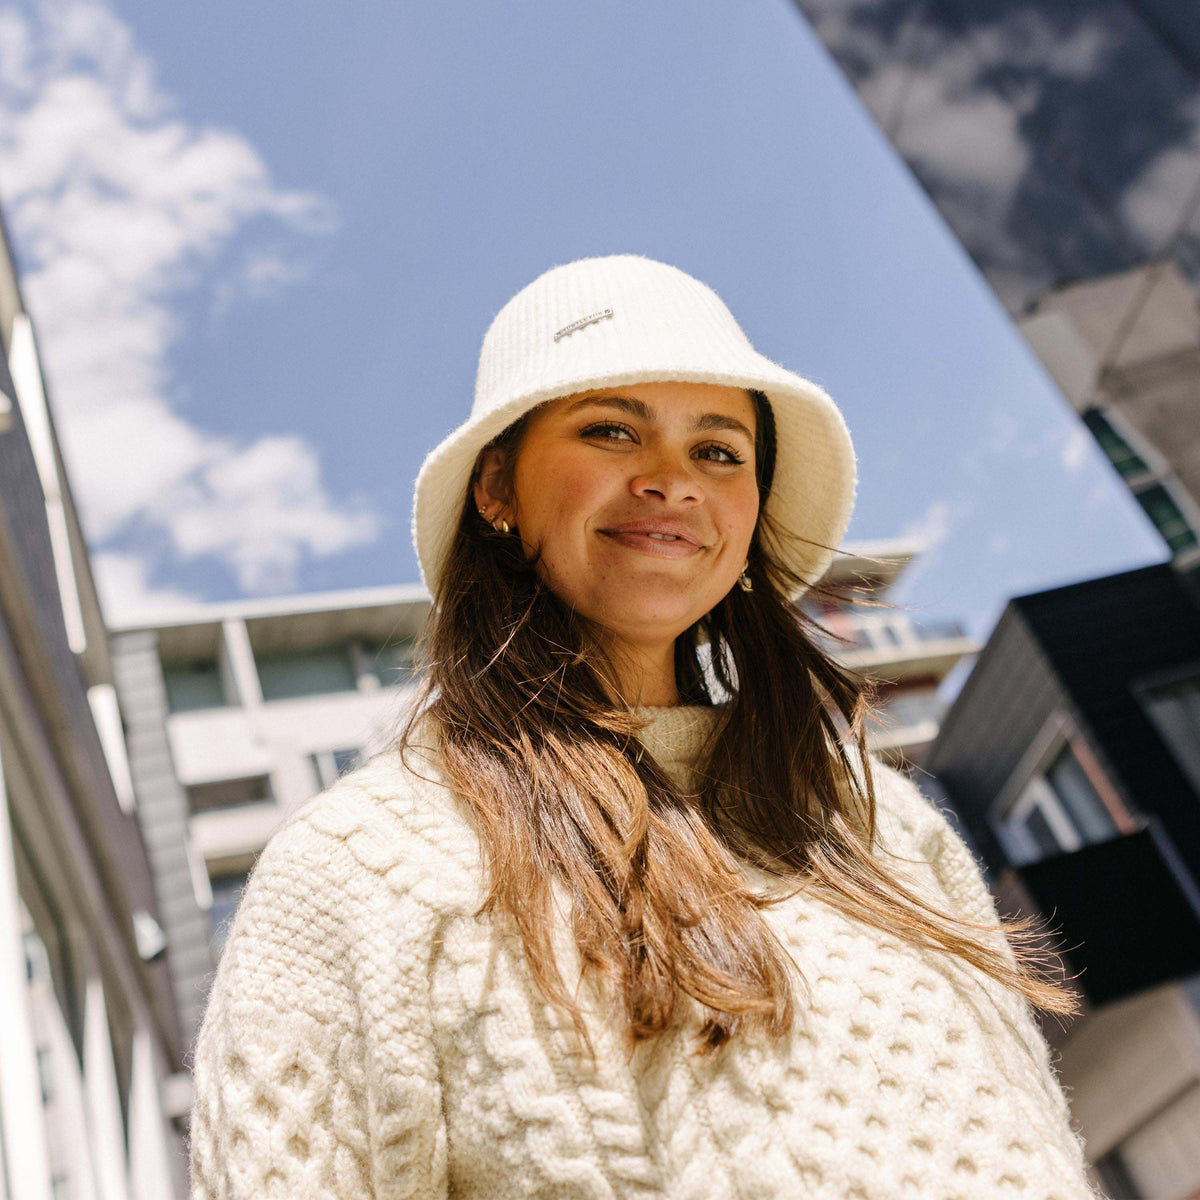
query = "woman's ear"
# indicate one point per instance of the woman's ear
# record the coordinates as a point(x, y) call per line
point(493, 484)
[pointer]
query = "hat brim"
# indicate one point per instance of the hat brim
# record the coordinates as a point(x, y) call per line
point(811, 497)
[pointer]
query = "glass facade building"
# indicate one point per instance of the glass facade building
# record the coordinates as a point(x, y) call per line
point(1060, 141)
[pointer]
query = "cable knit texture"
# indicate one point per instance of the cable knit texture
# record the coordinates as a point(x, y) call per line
point(367, 1037)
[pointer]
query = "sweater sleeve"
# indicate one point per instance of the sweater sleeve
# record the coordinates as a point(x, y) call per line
point(961, 879)
point(955, 868)
point(285, 1101)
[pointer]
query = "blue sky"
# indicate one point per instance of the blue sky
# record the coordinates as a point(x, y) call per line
point(261, 244)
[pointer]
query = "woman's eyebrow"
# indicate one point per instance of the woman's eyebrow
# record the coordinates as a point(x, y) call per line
point(712, 421)
point(635, 408)
point(640, 409)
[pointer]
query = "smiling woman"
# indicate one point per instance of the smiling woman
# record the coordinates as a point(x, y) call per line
point(639, 507)
point(628, 911)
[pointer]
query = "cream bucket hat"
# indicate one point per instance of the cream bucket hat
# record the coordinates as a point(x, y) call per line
point(603, 322)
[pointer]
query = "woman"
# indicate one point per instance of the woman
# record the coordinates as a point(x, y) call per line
point(628, 911)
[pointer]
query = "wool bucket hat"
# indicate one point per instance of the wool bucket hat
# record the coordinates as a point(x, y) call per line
point(625, 319)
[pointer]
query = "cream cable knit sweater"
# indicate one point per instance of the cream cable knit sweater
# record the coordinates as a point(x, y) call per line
point(367, 1037)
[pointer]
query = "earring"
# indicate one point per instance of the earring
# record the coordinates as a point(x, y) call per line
point(500, 526)
point(744, 580)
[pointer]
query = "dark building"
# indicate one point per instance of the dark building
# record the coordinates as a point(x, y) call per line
point(1072, 759)
point(1060, 140)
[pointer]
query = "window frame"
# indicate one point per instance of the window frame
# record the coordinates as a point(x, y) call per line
point(268, 680)
point(1028, 789)
point(177, 668)
point(324, 767)
point(1157, 475)
point(1180, 673)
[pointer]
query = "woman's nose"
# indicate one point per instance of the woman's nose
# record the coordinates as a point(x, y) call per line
point(669, 478)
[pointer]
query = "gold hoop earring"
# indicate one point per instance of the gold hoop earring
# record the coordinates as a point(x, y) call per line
point(744, 580)
point(503, 525)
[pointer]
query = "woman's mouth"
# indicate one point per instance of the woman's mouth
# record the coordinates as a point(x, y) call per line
point(657, 544)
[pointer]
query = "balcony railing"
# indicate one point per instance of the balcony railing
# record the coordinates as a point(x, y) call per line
point(1127, 912)
point(894, 634)
point(910, 708)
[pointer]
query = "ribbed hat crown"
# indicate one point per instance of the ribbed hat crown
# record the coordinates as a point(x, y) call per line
point(641, 314)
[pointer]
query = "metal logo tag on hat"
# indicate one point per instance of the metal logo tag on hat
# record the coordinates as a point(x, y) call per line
point(588, 320)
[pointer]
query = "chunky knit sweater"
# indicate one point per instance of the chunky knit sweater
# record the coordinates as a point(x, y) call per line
point(367, 1036)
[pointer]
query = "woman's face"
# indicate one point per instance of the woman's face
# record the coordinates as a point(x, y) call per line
point(641, 499)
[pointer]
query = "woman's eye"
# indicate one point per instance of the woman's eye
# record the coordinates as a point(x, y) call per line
point(721, 454)
point(609, 431)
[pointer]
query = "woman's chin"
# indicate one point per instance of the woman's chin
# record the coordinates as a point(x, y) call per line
point(648, 618)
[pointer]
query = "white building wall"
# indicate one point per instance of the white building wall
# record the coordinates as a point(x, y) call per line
point(21, 1113)
point(277, 737)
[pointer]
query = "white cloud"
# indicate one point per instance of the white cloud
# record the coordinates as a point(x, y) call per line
point(263, 274)
point(14, 51)
point(1004, 430)
point(971, 138)
point(1156, 204)
point(1074, 451)
point(927, 83)
point(118, 206)
point(931, 529)
point(126, 593)
point(259, 507)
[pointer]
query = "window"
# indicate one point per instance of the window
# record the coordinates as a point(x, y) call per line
point(1058, 811)
point(1120, 453)
point(391, 661)
point(194, 685)
point(1174, 708)
point(293, 673)
point(227, 889)
point(1161, 508)
point(885, 634)
point(1144, 479)
point(939, 630)
point(330, 764)
point(230, 793)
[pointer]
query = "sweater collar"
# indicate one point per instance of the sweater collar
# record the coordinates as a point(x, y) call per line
point(675, 735)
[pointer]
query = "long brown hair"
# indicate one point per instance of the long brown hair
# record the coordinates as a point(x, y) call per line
point(532, 736)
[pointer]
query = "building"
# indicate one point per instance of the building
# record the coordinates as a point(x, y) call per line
point(235, 715)
point(1072, 758)
point(906, 657)
point(1061, 143)
point(1124, 350)
point(91, 1062)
